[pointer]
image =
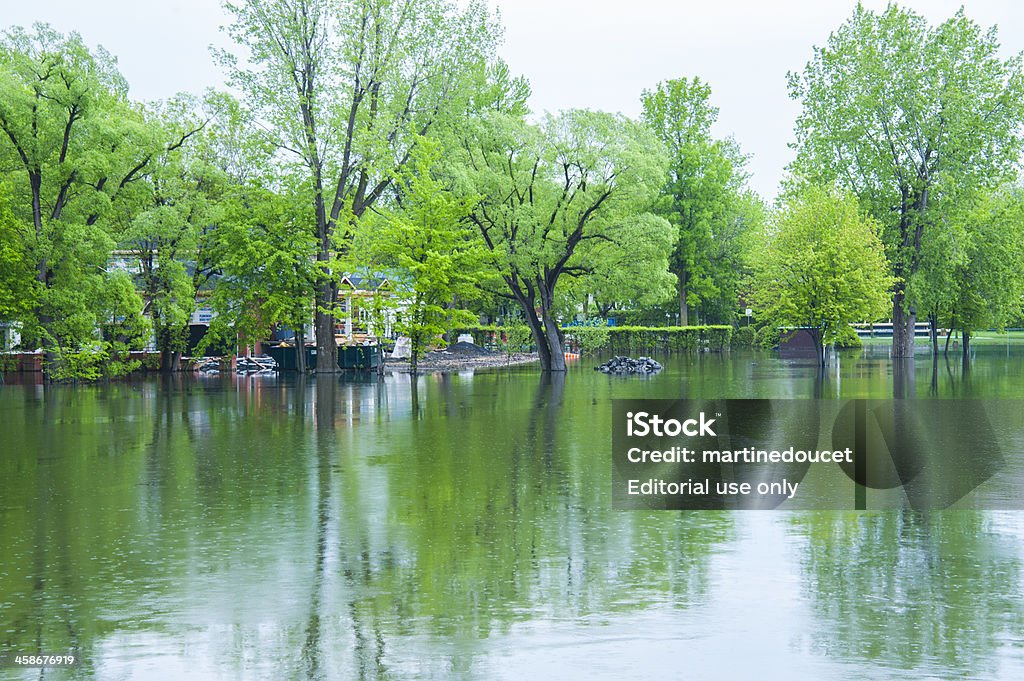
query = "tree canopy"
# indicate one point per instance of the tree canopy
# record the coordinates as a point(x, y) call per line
point(82, 153)
point(909, 118)
point(386, 137)
point(348, 88)
point(703, 197)
point(821, 267)
point(562, 199)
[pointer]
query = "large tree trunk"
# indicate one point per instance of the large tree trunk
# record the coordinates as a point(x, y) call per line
point(934, 387)
point(818, 336)
point(933, 328)
point(525, 295)
point(684, 309)
point(326, 347)
point(415, 346)
point(300, 350)
point(554, 343)
point(539, 338)
point(911, 231)
point(903, 322)
point(326, 291)
point(966, 333)
point(551, 333)
point(170, 361)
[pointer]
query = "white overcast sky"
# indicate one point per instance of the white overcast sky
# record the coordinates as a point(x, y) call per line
point(598, 54)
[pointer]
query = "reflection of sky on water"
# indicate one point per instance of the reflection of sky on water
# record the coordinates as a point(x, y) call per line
point(458, 526)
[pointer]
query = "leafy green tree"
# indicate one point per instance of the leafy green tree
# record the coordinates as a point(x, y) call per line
point(909, 118)
point(970, 271)
point(432, 249)
point(703, 196)
point(83, 153)
point(622, 279)
point(549, 195)
point(164, 236)
point(348, 87)
point(18, 289)
point(261, 249)
point(822, 267)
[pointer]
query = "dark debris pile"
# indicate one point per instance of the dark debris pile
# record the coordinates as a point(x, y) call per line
point(459, 351)
point(628, 365)
point(468, 350)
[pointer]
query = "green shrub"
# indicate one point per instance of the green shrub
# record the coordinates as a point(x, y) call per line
point(86, 364)
point(744, 337)
point(766, 337)
point(94, 361)
point(589, 337)
point(515, 339)
point(848, 339)
point(151, 361)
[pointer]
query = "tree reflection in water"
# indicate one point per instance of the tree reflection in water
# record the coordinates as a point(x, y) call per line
point(346, 529)
point(938, 593)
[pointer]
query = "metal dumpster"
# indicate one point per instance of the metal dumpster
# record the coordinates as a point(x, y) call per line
point(351, 357)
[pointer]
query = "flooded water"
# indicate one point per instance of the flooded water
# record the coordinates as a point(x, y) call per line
point(460, 527)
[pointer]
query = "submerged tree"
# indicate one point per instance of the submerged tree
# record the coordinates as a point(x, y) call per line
point(567, 198)
point(822, 267)
point(970, 271)
point(908, 117)
point(348, 87)
point(82, 153)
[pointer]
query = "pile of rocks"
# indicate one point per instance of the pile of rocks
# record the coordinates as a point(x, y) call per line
point(627, 365)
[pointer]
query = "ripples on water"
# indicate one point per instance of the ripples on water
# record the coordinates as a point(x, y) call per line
point(460, 527)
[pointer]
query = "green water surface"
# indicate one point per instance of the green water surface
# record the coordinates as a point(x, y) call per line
point(460, 527)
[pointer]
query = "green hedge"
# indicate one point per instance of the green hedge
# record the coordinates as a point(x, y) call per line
point(586, 337)
point(766, 337)
point(629, 339)
point(483, 335)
